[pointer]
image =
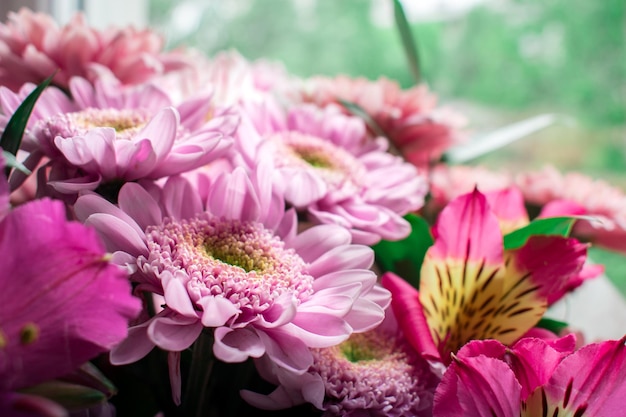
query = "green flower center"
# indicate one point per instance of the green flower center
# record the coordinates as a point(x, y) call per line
point(363, 347)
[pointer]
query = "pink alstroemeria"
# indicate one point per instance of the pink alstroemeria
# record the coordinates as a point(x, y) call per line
point(33, 47)
point(534, 378)
point(332, 171)
point(411, 119)
point(62, 301)
point(235, 263)
point(471, 288)
point(376, 373)
point(108, 134)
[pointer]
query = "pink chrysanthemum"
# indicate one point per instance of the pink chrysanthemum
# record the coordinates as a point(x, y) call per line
point(409, 118)
point(575, 194)
point(374, 373)
point(33, 47)
point(108, 134)
point(329, 169)
point(236, 264)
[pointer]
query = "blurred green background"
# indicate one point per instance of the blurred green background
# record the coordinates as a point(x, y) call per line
point(495, 61)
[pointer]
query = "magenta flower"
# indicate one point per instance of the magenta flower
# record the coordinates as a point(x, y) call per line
point(109, 134)
point(236, 264)
point(61, 307)
point(534, 378)
point(330, 170)
point(471, 288)
point(33, 47)
point(375, 373)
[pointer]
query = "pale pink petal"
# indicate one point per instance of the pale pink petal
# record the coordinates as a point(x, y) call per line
point(314, 242)
point(173, 366)
point(216, 310)
point(136, 345)
point(180, 199)
point(135, 201)
point(174, 333)
point(237, 345)
point(286, 350)
point(343, 257)
point(117, 234)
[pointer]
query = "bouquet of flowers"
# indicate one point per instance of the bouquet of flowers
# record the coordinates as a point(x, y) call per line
point(185, 235)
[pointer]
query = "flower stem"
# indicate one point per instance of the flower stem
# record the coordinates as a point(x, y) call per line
point(197, 392)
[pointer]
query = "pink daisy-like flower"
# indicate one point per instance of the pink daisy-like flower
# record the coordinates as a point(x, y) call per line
point(374, 373)
point(409, 118)
point(575, 194)
point(330, 170)
point(534, 378)
point(107, 134)
point(236, 264)
point(33, 47)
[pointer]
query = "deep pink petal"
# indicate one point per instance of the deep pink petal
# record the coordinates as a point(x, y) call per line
point(485, 387)
point(408, 311)
point(468, 229)
point(61, 290)
point(593, 379)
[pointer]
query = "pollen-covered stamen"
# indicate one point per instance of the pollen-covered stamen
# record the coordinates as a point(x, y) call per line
point(241, 261)
point(337, 167)
point(126, 122)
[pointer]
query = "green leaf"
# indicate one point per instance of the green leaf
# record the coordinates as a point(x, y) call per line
point(70, 396)
point(405, 257)
point(410, 48)
point(554, 326)
point(358, 111)
point(559, 226)
point(14, 131)
point(88, 375)
point(12, 162)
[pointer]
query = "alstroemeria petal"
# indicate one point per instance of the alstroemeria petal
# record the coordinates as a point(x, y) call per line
point(591, 379)
point(478, 386)
point(408, 311)
point(62, 302)
point(461, 276)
